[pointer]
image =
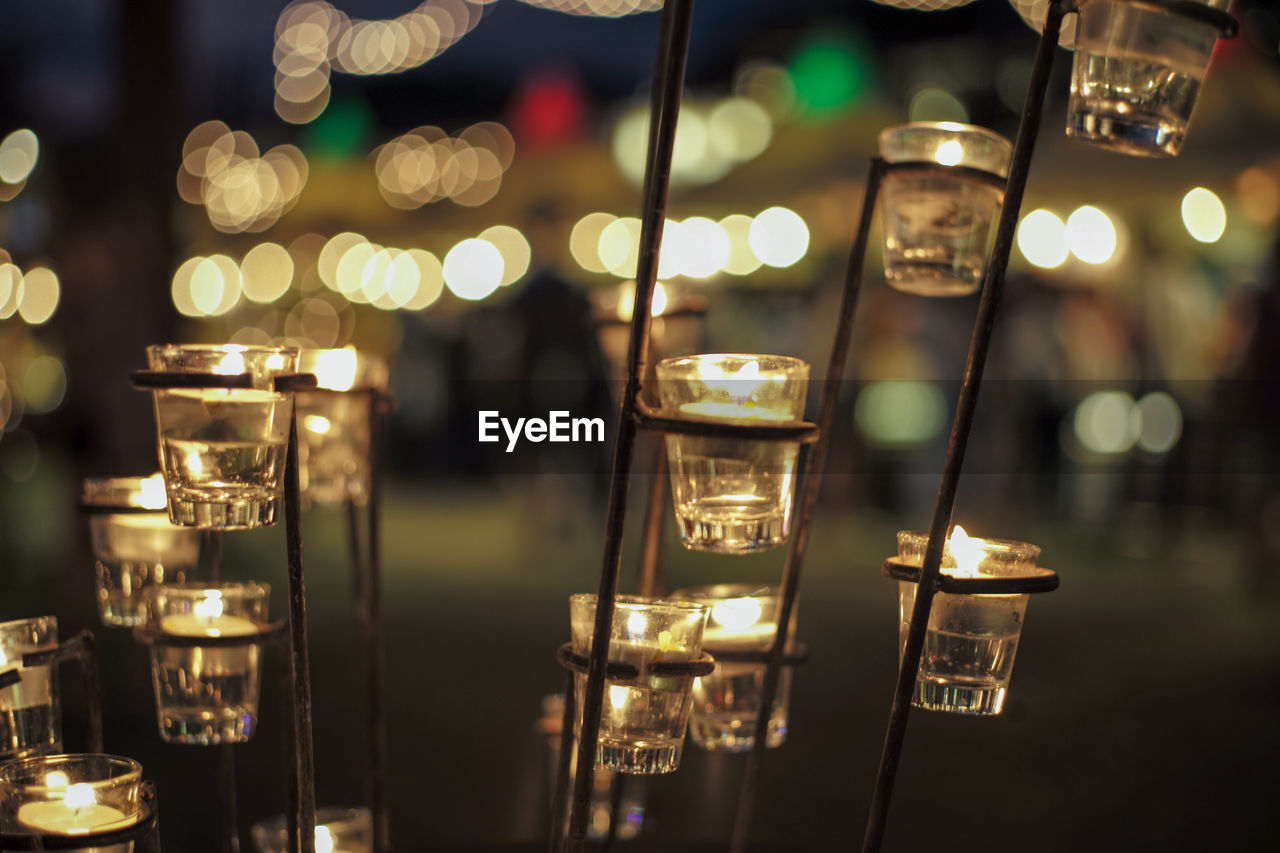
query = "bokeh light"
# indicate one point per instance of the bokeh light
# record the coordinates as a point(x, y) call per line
point(1159, 422)
point(513, 247)
point(1204, 215)
point(426, 165)
point(266, 272)
point(584, 241)
point(473, 269)
point(900, 413)
point(240, 189)
point(19, 152)
point(1090, 235)
point(741, 260)
point(1104, 423)
point(40, 292)
point(1042, 239)
point(779, 237)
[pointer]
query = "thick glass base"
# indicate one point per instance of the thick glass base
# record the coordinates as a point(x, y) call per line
point(925, 279)
point(727, 533)
point(1128, 132)
point(639, 757)
point(207, 727)
point(118, 610)
point(734, 732)
point(244, 514)
point(982, 699)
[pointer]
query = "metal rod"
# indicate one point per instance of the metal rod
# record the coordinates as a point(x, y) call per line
point(213, 550)
point(992, 290)
point(653, 576)
point(811, 485)
point(615, 810)
point(227, 798)
point(300, 667)
point(92, 688)
point(560, 798)
point(374, 635)
point(673, 49)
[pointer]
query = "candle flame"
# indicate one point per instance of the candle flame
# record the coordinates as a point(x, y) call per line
point(736, 614)
point(627, 299)
point(336, 369)
point(232, 364)
point(151, 492)
point(80, 795)
point(324, 840)
point(56, 779)
point(317, 424)
point(211, 607)
point(967, 551)
point(949, 153)
point(618, 696)
point(742, 386)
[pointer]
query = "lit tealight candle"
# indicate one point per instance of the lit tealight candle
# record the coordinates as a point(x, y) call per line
point(206, 619)
point(78, 813)
point(732, 496)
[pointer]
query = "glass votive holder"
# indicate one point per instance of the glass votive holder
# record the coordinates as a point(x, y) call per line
point(642, 722)
point(970, 640)
point(937, 222)
point(726, 703)
point(1136, 75)
point(333, 424)
point(30, 711)
point(674, 326)
point(612, 794)
point(732, 496)
point(135, 546)
point(208, 694)
point(338, 830)
point(222, 450)
point(70, 795)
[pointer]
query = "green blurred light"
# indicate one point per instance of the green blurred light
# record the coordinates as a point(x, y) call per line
point(830, 73)
point(899, 412)
point(339, 132)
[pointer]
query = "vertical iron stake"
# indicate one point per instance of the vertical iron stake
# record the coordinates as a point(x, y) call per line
point(811, 485)
point(373, 618)
point(300, 667)
point(673, 49)
point(992, 290)
point(227, 798)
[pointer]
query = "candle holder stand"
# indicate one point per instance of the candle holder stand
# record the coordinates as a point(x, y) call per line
point(143, 834)
point(635, 415)
point(301, 766)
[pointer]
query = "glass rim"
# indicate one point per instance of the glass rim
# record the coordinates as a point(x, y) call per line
point(245, 589)
point(30, 620)
point(946, 127)
point(1007, 546)
point(256, 349)
point(785, 362)
point(640, 602)
point(120, 491)
point(132, 770)
point(728, 592)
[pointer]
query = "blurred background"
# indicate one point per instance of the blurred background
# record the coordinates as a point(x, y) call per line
point(453, 185)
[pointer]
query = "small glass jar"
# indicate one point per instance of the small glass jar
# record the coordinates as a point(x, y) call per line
point(333, 424)
point(642, 723)
point(30, 711)
point(71, 795)
point(135, 547)
point(222, 450)
point(208, 695)
point(1136, 75)
point(970, 640)
point(726, 703)
point(732, 496)
point(938, 223)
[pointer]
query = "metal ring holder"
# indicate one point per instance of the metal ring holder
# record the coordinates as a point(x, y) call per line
point(82, 650)
point(301, 815)
point(142, 833)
